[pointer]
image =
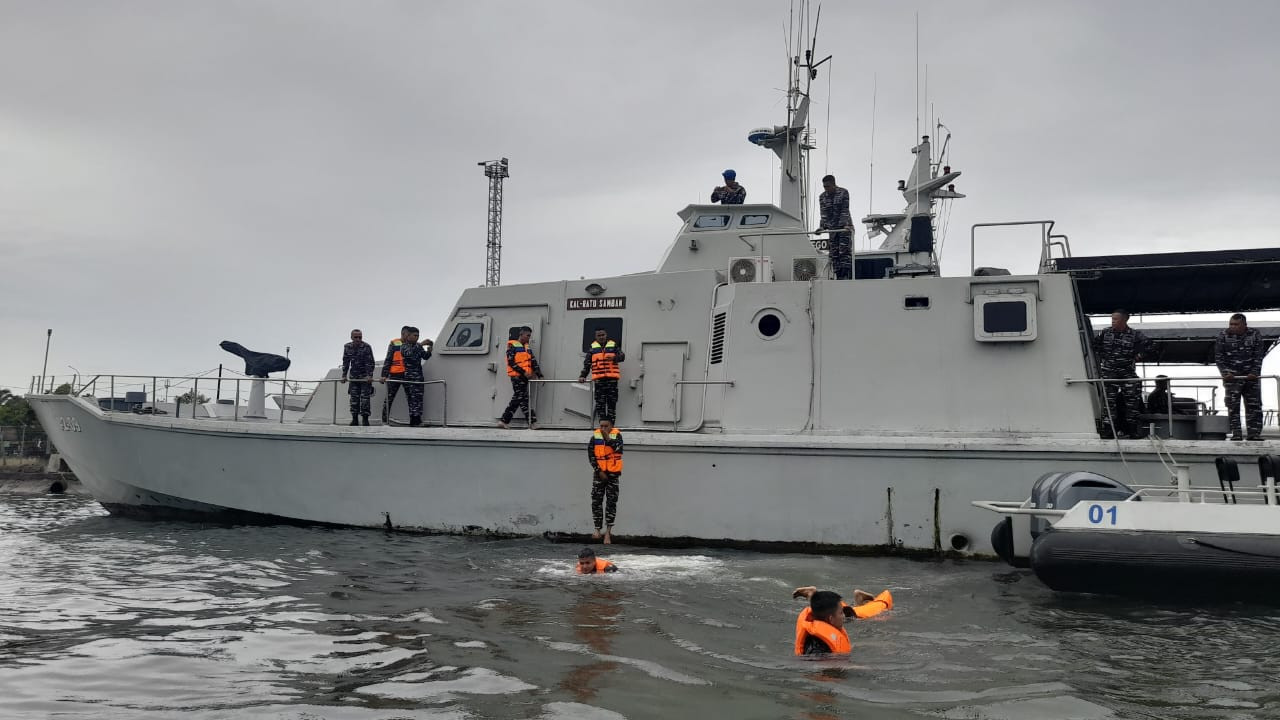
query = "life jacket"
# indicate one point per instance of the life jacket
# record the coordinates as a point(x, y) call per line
point(601, 566)
point(883, 601)
point(604, 361)
point(524, 359)
point(835, 638)
point(608, 459)
point(397, 358)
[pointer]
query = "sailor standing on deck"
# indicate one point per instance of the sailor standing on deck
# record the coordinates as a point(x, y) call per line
point(834, 206)
point(522, 367)
point(601, 365)
point(1118, 349)
point(357, 363)
point(604, 451)
point(731, 193)
point(1238, 354)
point(403, 365)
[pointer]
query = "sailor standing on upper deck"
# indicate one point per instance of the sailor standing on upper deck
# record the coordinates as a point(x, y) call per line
point(601, 364)
point(403, 364)
point(357, 364)
point(522, 367)
point(833, 204)
point(1118, 349)
point(731, 193)
point(1238, 354)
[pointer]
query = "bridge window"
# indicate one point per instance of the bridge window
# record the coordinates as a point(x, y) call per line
point(611, 325)
point(711, 222)
point(754, 220)
point(467, 335)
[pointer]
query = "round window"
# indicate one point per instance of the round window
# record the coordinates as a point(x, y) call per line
point(769, 324)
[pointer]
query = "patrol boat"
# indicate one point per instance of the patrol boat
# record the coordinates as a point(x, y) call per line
point(763, 403)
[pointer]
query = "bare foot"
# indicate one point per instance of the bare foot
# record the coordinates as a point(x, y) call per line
point(608, 537)
point(595, 535)
point(502, 425)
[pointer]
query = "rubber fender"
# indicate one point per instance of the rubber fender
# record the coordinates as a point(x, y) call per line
point(1002, 543)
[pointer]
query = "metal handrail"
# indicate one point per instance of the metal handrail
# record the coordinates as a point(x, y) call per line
point(1046, 233)
point(1219, 378)
point(541, 381)
point(675, 399)
point(195, 382)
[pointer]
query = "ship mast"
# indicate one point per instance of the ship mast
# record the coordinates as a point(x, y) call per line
point(793, 141)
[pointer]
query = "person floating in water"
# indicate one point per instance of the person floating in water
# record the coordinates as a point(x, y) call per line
point(820, 627)
point(589, 564)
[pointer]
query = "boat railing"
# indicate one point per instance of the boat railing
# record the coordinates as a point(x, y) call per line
point(1102, 382)
point(1266, 494)
point(536, 383)
point(1048, 241)
point(112, 382)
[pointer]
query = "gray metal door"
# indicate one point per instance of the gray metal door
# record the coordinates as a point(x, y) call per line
point(663, 366)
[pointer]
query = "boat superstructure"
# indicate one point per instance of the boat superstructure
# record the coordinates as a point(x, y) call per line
point(762, 401)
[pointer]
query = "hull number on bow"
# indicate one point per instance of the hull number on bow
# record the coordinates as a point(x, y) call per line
point(1099, 514)
point(68, 424)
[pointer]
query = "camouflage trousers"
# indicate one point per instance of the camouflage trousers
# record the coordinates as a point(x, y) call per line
point(1124, 403)
point(360, 393)
point(606, 399)
point(519, 399)
point(840, 249)
point(412, 394)
point(1251, 392)
point(604, 498)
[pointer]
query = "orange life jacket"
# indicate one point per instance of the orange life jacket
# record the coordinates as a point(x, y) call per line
point(397, 358)
point(601, 566)
point(524, 359)
point(883, 601)
point(835, 638)
point(604, 361)
point(607, 458)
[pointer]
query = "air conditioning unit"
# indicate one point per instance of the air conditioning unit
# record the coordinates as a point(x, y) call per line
point(808, 268)
point(750, 269)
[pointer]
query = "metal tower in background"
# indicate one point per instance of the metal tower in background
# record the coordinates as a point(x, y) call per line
point(496, 171)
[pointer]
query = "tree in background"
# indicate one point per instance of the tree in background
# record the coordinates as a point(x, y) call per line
point(63, 389)
point(185, 398)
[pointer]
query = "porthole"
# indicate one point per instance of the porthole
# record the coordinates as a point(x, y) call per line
point(769, 323)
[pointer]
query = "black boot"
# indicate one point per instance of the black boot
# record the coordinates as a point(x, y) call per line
point(355, 420)
point(415, 421)
point(365, 420)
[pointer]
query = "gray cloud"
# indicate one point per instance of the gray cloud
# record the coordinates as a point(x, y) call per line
point(276, 173)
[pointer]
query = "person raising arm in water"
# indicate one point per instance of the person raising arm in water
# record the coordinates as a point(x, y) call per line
point(820, 627)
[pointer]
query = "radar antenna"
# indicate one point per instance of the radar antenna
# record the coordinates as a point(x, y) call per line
point(496, 171)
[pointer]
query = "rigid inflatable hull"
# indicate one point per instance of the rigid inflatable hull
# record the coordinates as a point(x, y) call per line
point(1154, 563)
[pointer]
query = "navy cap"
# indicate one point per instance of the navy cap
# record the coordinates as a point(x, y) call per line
point(729, 174)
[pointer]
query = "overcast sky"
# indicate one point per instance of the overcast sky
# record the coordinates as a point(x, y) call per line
point(276, 173)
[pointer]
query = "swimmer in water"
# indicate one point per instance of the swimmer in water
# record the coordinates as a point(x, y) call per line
point(820, 627)
point(589, 564)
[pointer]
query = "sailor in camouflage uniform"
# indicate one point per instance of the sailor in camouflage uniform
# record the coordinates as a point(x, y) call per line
point(601, 366)
point(1117, 350)
point(604, 451)
point(522, 367)
point(1239, 353)
point(405, 356)
point(833, 205)
point(357, 364)
point(731, 193)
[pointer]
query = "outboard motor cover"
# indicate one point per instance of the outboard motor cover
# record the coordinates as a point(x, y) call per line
point(1062, 490)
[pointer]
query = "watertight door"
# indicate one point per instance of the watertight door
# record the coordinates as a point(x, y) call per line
point(662, 365)
point(507, 329)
